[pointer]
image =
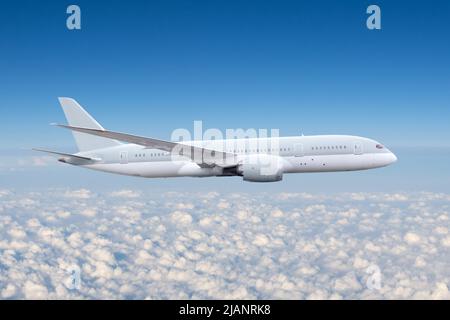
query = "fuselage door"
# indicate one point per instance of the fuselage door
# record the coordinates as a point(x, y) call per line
point(298, 150)
point(124, 157)
point(358, 148)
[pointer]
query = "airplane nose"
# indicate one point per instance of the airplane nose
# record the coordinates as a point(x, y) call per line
point(393, 157)
point(384, 159)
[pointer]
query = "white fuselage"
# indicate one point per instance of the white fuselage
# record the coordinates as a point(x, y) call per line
point(297, 154)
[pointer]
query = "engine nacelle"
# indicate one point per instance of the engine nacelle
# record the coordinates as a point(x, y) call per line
point(261, 168)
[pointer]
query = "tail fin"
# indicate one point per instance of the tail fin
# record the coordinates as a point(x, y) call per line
point(78, 117)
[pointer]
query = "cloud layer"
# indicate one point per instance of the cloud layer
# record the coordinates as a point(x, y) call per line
point(131, 244)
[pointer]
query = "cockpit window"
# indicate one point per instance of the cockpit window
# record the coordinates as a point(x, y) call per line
point(379, 146)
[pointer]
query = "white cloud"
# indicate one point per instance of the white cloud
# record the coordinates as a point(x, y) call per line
point(446, 241)
point(223, 205)
point(75, 239)
point(441, 230)
point(420, 262)
point(42, 161)
point(347, 283)
point(184, 206)
point(126, 193)
point(88, 212)
point(261, 240)
point(63, 214)
point(17, 233)
point(138, 244)
point(34, 291)
point(277, 213)
point(441, 291)
point(78, 194)
point(412, 238)
point(33, 223)
point(4, 193)
point(9, 291)
point(360, 263)
point(180, 217)
point(102, 254)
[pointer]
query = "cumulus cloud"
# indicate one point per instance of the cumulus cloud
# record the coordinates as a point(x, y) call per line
point(34, 291)
point(78, 194)
point(126, 193)
point(412, 238)
point(16, 232)
point(63, 244)
point(42, 161)
point(180, 217)
point(88, 212)
point(4, 193)
point(261, 240)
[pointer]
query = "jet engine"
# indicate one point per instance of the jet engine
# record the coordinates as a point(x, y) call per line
point(261, 168)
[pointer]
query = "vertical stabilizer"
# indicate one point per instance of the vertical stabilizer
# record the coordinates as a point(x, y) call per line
point(78, 117)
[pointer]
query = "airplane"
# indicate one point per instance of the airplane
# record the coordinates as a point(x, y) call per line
point(254, 159)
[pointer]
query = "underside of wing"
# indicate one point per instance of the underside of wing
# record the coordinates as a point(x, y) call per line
point(201, 156)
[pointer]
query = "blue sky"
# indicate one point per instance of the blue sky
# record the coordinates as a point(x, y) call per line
point(151, 67)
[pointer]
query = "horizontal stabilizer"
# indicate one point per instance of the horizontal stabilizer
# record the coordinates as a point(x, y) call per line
point(67, 157)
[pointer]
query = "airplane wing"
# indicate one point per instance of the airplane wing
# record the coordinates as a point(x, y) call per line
point(201, 156)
